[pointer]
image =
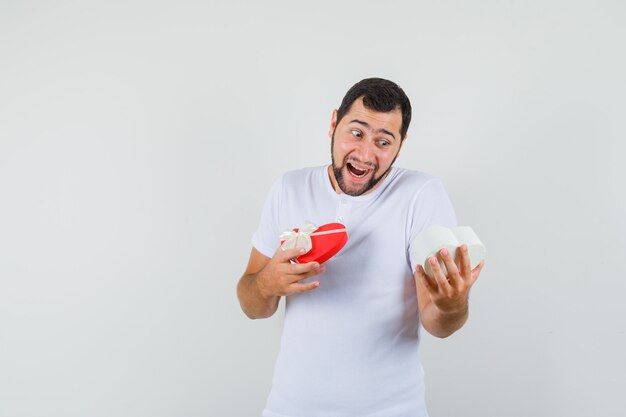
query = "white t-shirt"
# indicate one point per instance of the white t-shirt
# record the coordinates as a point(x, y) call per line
point(350, 347)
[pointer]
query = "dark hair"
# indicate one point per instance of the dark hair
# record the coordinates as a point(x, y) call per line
point(379, 95)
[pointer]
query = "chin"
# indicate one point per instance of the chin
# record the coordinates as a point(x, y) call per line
point(356, 188)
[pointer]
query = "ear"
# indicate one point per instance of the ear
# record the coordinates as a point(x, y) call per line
point(333, 124)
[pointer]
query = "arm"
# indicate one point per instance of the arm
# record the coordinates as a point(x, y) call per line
point(267, 279)
point(443, 301)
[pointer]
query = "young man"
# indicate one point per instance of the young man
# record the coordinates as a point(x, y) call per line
point(351, 332)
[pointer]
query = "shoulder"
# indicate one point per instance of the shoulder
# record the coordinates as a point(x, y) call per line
point(414, 182)
point(298, 180)
point(302, 174)
point(303, 179)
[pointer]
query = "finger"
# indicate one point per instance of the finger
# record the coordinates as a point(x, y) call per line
point(301, 271)
point(285, 255)
point(296, 278)
point(297, 269)
point(476, 271)
point(423, 279)
point(300, 288)
point(442, 281)
point(464, 259)
point(453, 272)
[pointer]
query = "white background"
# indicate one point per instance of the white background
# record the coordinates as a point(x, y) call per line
point(138, 140)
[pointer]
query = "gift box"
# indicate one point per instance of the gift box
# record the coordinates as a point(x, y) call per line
point(320, 243)
point(430, 241)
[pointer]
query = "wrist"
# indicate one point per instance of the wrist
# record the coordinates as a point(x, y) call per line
point(453, 312)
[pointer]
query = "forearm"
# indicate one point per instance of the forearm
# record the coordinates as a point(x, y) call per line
point(443, 324)
point(252, 301)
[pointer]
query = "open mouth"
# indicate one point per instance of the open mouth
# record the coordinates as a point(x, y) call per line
point(358, 172)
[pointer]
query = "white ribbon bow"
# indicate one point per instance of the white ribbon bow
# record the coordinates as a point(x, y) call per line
point(299, 239)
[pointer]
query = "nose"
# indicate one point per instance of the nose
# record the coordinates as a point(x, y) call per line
point(366, 153)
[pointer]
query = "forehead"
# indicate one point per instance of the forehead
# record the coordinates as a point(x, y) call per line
point(391, 121)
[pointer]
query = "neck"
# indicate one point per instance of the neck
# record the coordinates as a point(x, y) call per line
point(333, 180)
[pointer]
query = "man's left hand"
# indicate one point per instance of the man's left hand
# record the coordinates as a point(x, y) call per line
point(450, 293)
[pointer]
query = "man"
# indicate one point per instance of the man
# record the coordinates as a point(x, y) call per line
point(351, 331)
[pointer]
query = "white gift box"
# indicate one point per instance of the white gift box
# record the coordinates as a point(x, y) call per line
point(431, 240)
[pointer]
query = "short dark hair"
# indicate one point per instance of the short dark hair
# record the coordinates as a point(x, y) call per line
point(379, 95)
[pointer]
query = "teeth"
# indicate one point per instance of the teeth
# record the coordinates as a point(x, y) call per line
point(365, 171)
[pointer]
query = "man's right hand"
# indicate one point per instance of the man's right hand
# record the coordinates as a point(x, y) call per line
point(281, 277)
point(267, 279)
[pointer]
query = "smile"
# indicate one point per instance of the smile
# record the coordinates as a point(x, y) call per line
point(358, 172)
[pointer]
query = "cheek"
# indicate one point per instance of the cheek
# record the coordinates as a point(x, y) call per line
point(386, 158)
point(343, 148)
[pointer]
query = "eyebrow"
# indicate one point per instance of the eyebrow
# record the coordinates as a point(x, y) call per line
point(367, 125)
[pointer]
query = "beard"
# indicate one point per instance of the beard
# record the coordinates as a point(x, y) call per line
point(341, 182)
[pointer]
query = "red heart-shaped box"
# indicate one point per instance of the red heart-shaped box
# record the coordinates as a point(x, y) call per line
point(324, 246)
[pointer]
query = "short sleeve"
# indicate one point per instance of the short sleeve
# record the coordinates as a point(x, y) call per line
point(265, 239)
point(431, 206)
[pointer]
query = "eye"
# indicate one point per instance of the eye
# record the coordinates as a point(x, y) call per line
point(356, 133)
point(384, 142)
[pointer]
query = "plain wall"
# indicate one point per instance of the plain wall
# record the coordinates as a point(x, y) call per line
point(138, 140)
